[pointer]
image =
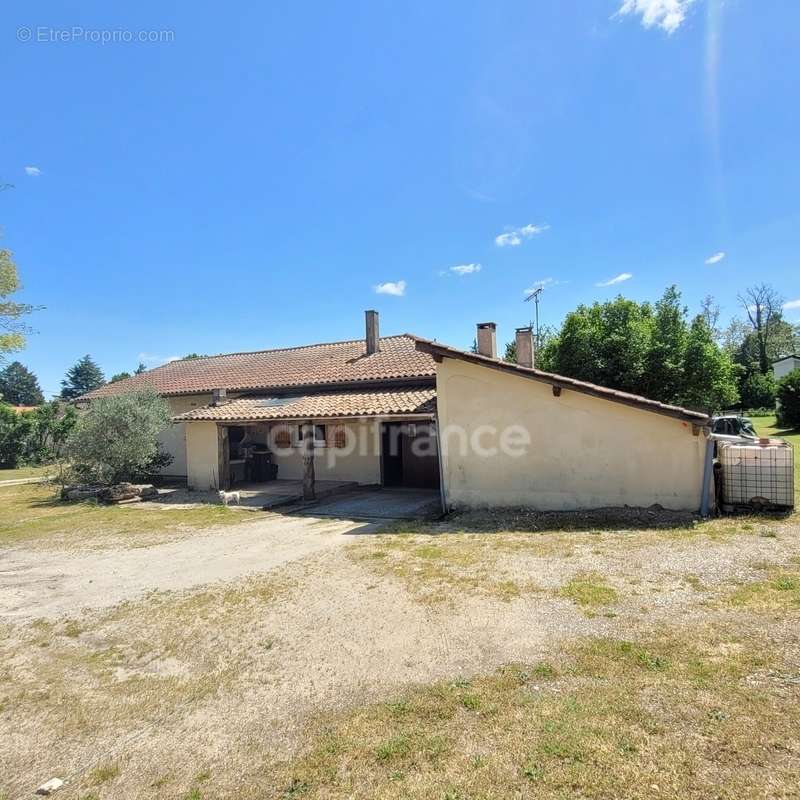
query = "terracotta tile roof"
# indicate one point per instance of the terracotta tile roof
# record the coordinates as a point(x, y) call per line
point(313, 365)
point(440, 351)
point(409, 400)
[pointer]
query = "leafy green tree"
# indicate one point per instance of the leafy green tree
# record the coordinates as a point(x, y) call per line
point(12, 329)
point(667, 353)
point(192, 356)
point(82, 378)
point(606, 343)
point(50, 426)
point(758, 391)
point(19, 386)
point(116, 439)
point(14, 431)
point(119, 376)
point(140, 369)
point(789, 399)
point(709, 377)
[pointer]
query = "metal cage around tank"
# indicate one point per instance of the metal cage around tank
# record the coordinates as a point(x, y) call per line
point(758, 474)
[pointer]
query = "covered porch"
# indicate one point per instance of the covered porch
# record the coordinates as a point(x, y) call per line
point(267, 449)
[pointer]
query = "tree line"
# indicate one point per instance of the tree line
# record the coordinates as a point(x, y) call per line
point(659, 351)
point(19, 386)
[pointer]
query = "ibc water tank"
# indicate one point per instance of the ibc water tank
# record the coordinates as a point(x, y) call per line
point(758, 473)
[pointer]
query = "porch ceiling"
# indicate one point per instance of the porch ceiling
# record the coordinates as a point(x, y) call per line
point(333, 405)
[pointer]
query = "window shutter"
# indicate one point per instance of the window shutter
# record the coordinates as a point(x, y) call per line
point(337, 436)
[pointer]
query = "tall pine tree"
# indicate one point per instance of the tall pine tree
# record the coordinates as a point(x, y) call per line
point(19, 386)
point(82, 378)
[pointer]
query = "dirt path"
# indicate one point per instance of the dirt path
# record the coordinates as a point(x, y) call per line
point(36, 585)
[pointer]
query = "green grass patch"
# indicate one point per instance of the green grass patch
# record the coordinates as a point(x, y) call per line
point(103, 773)
point(27, 472)
point(779, 592)
point(589, 590)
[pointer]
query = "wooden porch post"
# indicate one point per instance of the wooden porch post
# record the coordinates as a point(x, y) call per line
point(223, 458)
point(308, 461)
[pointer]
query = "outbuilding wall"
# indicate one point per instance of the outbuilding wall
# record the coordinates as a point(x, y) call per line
point(584, 452)
point(173, 438)
point(202, 458)
point(786, 365)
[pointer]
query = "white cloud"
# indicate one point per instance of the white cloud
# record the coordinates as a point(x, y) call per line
point(34, 172)
point(665, 14)
point(540, 284)
point(623, 276)
point(716, 258)
point(466, 269)
point(396, 288)
point(792, 305)
point(515, 236)
point(151, 360)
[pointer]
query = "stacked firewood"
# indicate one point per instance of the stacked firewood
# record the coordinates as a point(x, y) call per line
point(116, 493)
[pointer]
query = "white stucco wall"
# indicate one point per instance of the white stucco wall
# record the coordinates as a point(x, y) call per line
point(584, 452)
point(173, 438)
point(201, 455)
point(362, 465)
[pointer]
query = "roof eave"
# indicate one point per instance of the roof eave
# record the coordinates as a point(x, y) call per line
point(428, 415)
point(440, 351)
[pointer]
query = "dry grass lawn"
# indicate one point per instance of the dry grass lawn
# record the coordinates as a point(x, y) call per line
point(487, 656)
point(32, 513)
point(708, 712)
point(26, 472)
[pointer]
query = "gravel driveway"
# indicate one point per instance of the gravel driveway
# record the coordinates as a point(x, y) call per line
point(46, 585)
point(262, 627)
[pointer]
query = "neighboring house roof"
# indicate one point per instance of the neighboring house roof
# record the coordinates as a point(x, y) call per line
point(440, 351)
point(312, 365)
point(331, 405)
point(786, 358)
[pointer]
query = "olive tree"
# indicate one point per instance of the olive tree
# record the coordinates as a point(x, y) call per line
point(116, 439)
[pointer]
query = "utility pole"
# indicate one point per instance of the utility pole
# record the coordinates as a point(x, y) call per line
point(534, 295)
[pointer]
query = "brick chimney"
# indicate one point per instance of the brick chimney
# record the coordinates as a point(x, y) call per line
point(487, 339)
point(526, 349)
point(373, 332)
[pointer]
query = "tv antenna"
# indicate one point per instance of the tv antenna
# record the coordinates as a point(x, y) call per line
point(534, 295)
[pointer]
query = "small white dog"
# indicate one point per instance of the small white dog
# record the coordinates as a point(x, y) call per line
point(226, 498)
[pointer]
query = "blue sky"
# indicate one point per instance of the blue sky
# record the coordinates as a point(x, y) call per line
point(249, 180)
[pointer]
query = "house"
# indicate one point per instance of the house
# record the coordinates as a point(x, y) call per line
point(406, 411)
point(783, 366)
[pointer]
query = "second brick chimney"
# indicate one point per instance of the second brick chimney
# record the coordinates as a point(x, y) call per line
point(373, 335)
point(526, 350)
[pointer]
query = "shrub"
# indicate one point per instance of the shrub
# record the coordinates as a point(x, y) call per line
point(758, 391)
point(789, 399)
point(50, 427)
point(116, 439)
point(14, 431)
